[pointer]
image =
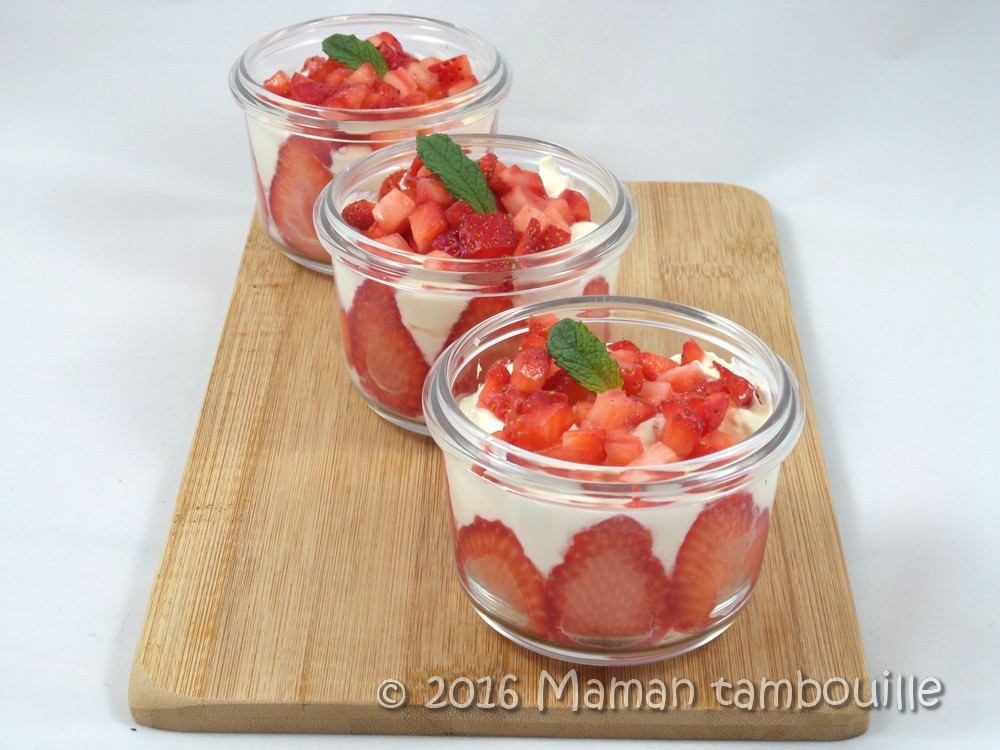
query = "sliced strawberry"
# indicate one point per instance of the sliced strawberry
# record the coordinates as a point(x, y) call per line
point(583, 446)
point(476, 311)
point(359, 214)
point(597, 285)
point(531, 369)
point(739, 388)
point(720, 554)
point(389, 364)
point(691, 352)
point(299, 177)
point(486, 235)
point(610, 589)
point(539, 421)
point(491, 560)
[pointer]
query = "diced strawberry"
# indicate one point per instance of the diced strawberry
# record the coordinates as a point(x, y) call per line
point(446, 242)
point(531, 369)
point(583, 446)
point(299, 177)
point(348, 96)
point(488, 165)
point(514, 176)
point(456, 211)
point(684, 378)
point(306, 90)
point(717, 557)
point(578, 204)
point(454, 74)
point(486, 235)
point(364, 74)
point(497, 394)
point(490, 558)
point(336, 77)
point(552, 237)
point(711, 407)
point(393, 239)
point(517, 198)
point(390, 183)
point(426, 81)
point(394, 56)
point(561, 382)
point(691, 352)
point(624, 345)
point(381, 95)
point(739, 388)
point(713, 441)
point(530, 239)
point(359, 214)
point(430, 188)
point(476, 311)
point(389, 364)
point(559, 214)
point(610, 589)
point(622, 447)
point(279, 84)
point(393, 210)
point(614, 409)
point(656, 391)
point(318, 67)
point(632, 379)
point(539, 421)
point(654, 365)
point(682, 428)
point(426, 222)
point(655, 455)
point(525, 215)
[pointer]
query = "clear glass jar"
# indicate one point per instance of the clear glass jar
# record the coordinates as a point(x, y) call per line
point(610, 565)
point(322, 140)
point(399, 309)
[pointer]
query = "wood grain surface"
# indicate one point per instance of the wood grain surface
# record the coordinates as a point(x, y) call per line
point(308, 558)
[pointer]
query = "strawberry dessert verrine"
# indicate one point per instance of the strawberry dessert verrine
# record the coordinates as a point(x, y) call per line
point(431, 237)
point(611, 503)
point(321, 94)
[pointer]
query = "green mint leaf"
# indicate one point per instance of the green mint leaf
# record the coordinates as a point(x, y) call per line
point(460, 174)
point(583, 356)
point(354, 52)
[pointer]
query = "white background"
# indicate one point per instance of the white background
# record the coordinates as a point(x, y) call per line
point(125, 198)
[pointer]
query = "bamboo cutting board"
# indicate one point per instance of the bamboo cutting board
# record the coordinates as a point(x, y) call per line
point(308, 559)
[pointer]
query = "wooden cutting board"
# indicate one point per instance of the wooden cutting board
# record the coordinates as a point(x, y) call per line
point(308, 559)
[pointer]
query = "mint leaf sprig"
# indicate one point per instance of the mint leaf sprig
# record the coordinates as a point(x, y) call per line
point(460, 174)
point(354, 52)
point(583, 356)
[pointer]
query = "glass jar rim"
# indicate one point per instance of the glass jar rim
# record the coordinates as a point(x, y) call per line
point(605, 243)
point(488, 94)
point(553, 479)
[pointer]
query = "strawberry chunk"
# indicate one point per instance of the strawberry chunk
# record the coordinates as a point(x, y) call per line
point(654, 365)
point(691, 352)
point(531, 369)
point(614, 409)
point(359, 214)
point(583, 446)
point(682, 428)
point(552, 237)
point(490, 558)
point(610, 589)
point(389, 364)
point(530, 241)
point(684, 378)
point(279, 84)
point(539, 421)
point(497, 394)
point(454, 74)
point(299, 177)
point(740, 390)
point(720, 554)
point(392, 212)
point(486, 235)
